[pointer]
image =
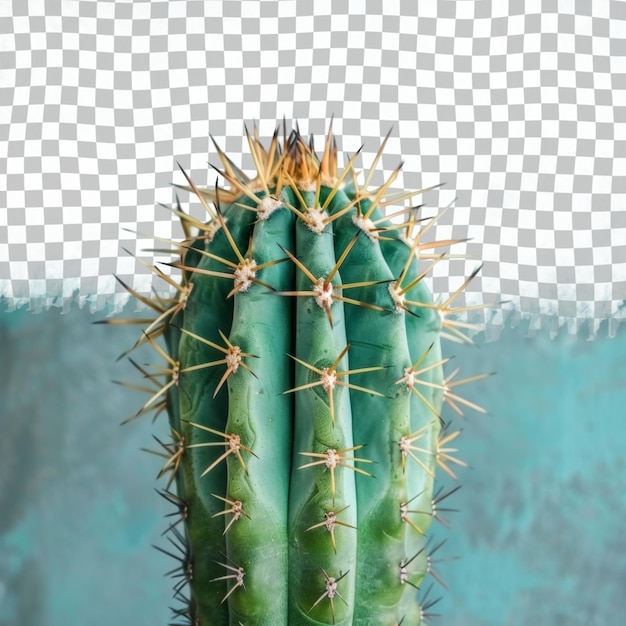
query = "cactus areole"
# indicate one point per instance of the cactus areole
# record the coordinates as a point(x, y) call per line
point(303, 381)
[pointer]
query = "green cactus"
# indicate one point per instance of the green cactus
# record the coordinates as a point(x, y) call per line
point(304, 386)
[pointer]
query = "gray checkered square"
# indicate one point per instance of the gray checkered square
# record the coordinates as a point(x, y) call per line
point(518, 107)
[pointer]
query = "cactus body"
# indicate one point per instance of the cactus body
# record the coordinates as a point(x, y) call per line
point(304, 389)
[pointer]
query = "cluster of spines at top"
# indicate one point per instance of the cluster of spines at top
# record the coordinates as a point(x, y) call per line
point(297, 166)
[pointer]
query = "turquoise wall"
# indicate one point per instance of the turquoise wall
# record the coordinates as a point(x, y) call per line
point(539, 532)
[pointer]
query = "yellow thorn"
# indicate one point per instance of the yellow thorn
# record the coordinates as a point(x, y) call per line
point(444, 455)
point(231, 441)
point(381, 149)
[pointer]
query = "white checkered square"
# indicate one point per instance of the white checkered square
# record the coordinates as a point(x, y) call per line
point(517, 107)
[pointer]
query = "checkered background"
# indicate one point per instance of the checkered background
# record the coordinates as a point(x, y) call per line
point(519, 107)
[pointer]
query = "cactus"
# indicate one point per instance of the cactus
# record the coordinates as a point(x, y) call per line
point(304, 384)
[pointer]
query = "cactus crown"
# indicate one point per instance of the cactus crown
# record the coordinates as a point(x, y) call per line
point(303, 381)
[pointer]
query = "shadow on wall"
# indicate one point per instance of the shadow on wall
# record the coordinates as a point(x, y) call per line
point(541, 510)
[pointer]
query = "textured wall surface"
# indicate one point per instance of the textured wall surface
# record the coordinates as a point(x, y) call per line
point(540, 522)
point(78, 511)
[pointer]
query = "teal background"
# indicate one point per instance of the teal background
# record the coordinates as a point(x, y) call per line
point(539, 530)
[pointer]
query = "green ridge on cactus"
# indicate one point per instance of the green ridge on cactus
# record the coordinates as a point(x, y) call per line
point(304, 386)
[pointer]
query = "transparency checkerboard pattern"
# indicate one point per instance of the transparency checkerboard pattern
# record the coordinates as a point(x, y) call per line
point(519, 107)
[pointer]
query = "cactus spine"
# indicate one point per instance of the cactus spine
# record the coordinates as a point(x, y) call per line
point(304, 386)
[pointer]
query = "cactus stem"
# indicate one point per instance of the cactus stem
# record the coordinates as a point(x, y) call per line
point(329, 522)
point(232, 443)
point(334, 458)
point(236, 509)
point(294, 196)
point(330, 592)
point(329, 377)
